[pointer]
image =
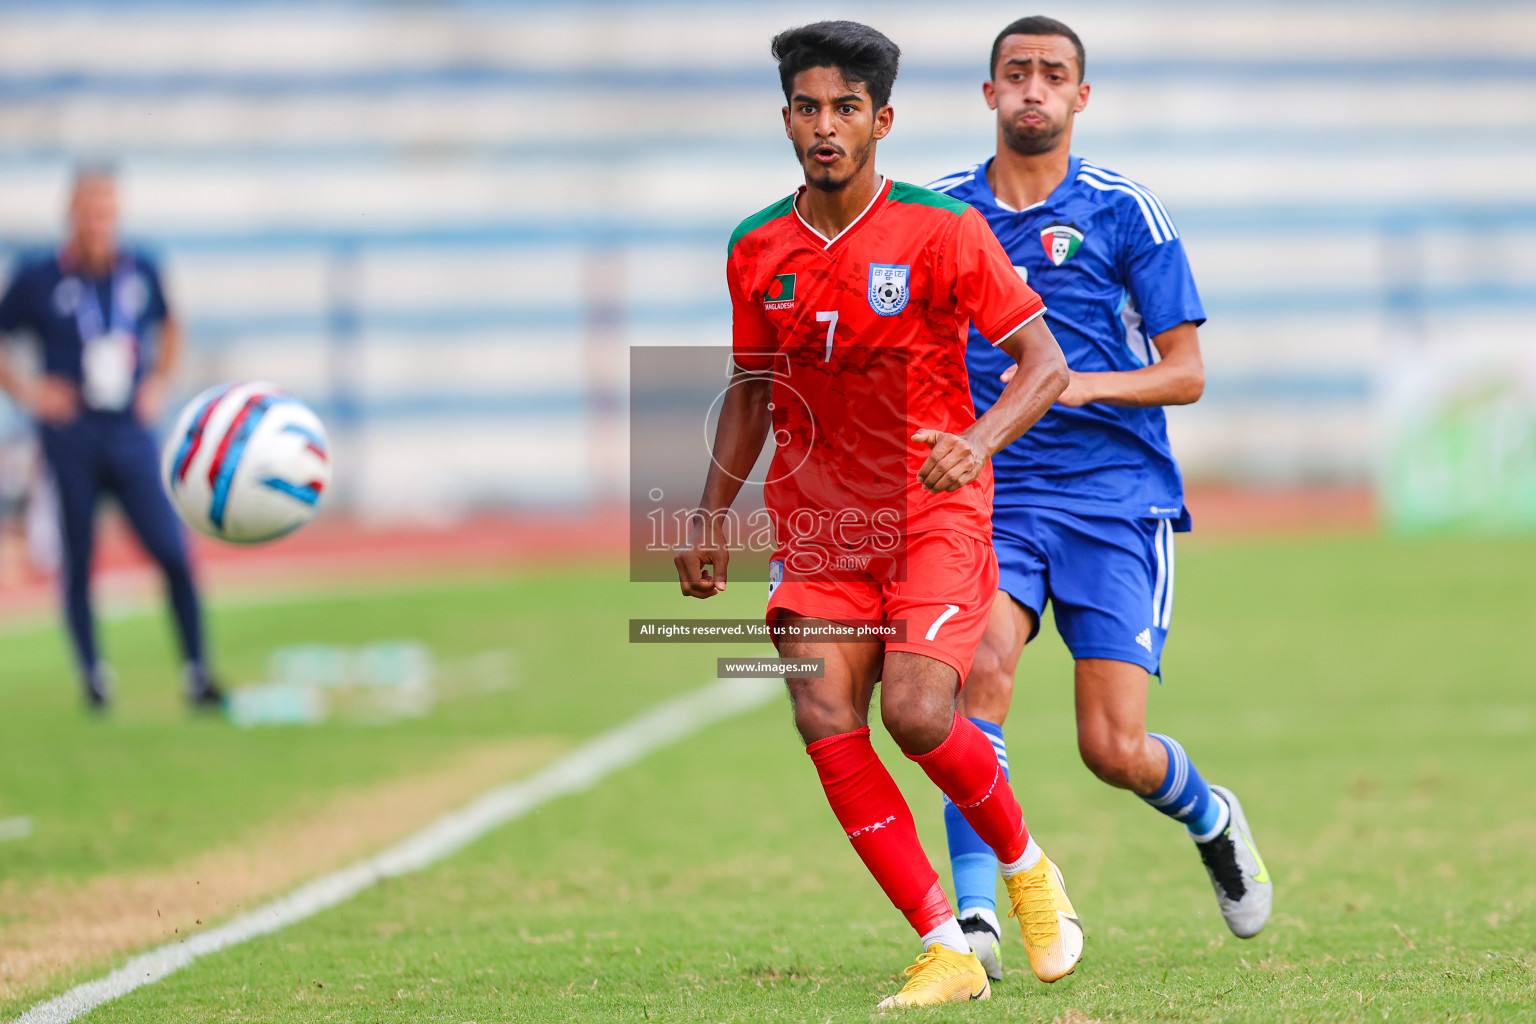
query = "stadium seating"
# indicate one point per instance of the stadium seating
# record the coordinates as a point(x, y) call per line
point(443, 225)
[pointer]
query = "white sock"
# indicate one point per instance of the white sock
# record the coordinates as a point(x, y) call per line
point(989, 917)
point(1028, 859)
point(949, 936)
point(1221, 822)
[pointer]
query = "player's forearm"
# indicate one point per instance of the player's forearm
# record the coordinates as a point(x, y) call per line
point(170, 347)
point(739, 437)
point(1154, 385)
point(1040, 379)
point(1178, 379)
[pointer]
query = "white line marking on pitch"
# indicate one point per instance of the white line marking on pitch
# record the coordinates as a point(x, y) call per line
point(15, 828)
point(580, 769)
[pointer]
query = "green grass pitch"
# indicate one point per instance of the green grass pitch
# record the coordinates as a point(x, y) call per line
point(1370, 700)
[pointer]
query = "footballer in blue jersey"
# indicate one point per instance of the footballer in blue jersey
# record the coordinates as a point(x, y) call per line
point(1087, 502)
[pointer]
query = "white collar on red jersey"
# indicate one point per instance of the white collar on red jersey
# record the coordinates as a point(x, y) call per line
point(880, 191)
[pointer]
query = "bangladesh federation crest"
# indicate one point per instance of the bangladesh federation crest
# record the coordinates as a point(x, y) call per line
point(1061, 242)
point(888, 287)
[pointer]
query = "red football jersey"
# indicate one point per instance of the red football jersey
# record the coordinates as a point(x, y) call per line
point(865, 335)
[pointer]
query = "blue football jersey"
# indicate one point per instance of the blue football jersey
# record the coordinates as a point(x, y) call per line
point(1105, 256)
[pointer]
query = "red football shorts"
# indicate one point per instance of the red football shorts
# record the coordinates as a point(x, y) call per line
point(945, 598)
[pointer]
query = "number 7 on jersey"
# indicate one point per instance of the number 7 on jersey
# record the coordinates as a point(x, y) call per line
point(830, 319)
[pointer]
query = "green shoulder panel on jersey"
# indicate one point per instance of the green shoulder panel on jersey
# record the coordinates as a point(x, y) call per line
point(779, 209)
point(901, 192)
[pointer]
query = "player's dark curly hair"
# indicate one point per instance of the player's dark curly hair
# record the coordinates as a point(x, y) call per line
point(1038, 25)
point(860, 53)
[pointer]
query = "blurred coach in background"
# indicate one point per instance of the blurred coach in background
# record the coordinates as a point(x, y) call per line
point(107, 345)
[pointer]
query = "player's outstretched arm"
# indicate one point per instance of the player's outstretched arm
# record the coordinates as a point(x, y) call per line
point(1039, 376)
point(1178, 378)
point(739, 436)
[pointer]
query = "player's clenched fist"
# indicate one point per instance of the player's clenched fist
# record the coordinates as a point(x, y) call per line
point(695, 579)
point(953, 460)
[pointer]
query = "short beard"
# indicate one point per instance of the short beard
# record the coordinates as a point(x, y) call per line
point(1032, 141)
point(827, 183)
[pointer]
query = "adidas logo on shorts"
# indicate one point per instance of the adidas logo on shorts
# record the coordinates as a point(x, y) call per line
point(1145, 639)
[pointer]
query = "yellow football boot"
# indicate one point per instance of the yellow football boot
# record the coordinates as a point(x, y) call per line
point(941, 976)
point(1053, 937)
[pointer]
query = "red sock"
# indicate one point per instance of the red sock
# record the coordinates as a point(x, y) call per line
point(879, 824)
point(965, 767)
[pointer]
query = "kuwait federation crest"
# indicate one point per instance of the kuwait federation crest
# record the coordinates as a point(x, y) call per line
point(1061, 242)
point(888, 288)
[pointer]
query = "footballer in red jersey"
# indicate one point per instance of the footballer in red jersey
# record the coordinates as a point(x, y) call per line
point(851, 300)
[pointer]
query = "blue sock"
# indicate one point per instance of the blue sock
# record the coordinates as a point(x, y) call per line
point(972, 861)
point(1183, 795)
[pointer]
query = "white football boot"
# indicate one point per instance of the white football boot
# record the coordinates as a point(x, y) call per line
point(986, 942)
point(1243, 889)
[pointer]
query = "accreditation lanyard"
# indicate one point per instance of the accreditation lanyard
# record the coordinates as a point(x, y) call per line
point(109, 349)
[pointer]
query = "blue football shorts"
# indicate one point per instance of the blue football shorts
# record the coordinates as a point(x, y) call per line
point(1109, 579)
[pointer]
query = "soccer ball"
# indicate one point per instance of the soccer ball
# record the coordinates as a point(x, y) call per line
point(246, 463)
